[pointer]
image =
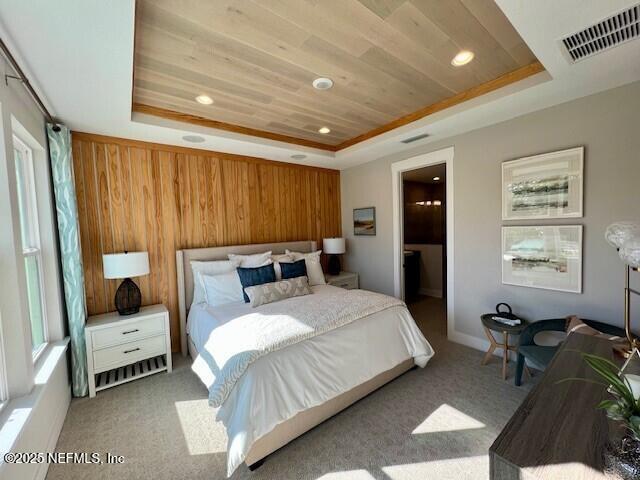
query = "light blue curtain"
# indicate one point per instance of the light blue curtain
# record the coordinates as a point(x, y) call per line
point(71, 256)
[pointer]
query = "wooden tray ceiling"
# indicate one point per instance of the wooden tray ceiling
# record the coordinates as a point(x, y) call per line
point(390, 61)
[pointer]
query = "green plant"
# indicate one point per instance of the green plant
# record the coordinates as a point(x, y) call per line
point(624, 407)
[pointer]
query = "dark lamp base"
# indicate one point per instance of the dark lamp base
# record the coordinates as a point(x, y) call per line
point(128, 298)
point(334, 265)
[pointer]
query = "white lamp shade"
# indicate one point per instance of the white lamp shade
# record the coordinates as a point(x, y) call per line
point(334, 246)
point(630, 252)
point(125, 265)
point(618, 233)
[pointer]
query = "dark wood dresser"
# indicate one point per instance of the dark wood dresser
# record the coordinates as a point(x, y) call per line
point(557, 433)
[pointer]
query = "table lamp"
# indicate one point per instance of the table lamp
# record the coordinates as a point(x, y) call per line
point(126, 265)
point(334, 247)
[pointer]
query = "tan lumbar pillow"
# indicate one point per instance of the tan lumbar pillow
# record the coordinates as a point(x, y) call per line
point(574, 324)
point(276, 291)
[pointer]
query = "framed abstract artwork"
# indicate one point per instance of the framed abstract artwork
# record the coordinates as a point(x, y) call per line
point(547, 257)
point(364, 221)
point(543, 186)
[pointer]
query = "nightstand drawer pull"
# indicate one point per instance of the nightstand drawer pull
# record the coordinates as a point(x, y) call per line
point(126, 353)
point(115, 334)
point(345, 285)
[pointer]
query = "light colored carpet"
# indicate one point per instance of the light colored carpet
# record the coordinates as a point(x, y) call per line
point(431, 423)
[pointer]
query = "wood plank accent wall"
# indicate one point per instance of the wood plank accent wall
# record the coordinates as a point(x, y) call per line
point(141, 196)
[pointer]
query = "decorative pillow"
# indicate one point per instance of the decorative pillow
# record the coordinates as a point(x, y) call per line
point(256, 276)
point(250, 261)
point(277, 260)
point(314, 267)
point(208, 268)
point(275, 291)
point(574, 324)
point(222, 288)
point(293, 270)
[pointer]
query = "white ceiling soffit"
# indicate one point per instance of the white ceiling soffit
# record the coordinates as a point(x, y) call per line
point(79, 56)
point(609, 33)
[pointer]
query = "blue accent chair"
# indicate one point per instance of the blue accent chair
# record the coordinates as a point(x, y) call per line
point(539, 356)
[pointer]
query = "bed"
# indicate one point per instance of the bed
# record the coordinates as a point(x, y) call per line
point(288, 391)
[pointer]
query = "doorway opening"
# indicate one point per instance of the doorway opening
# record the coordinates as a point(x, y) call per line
point(423, 238)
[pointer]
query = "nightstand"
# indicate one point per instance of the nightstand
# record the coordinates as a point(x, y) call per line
point(124, 348)
point(346, 280)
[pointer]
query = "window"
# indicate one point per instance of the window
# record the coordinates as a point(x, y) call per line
point(3, 372)
point(27, 205)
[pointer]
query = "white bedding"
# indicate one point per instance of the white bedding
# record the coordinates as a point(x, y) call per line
point(300, 376)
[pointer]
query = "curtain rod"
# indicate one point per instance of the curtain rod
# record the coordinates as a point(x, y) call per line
point(25, 82)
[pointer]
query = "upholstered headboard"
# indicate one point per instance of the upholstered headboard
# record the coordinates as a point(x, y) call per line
point(185, 274)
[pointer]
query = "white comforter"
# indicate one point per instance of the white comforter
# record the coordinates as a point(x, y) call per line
point(286, 381)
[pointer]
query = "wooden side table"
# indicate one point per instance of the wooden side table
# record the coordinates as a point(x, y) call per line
point(490, 325)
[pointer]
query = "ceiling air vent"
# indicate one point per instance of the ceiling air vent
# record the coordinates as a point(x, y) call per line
point(415, 139)
point(609, 33)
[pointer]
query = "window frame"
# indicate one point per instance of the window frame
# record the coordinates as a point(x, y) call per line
point(34, 249)
point(4, 386)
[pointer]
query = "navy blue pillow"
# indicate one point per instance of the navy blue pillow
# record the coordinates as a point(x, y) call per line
point(255, 276)
point(294, 269)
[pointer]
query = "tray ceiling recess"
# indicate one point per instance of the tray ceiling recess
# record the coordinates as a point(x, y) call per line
point(377, 65)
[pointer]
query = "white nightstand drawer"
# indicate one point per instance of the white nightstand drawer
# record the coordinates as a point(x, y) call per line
point(346, 280)
point(347, 283)
point(126, 353)
point(117, 334)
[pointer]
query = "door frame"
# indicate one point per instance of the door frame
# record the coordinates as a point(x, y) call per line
point(445, 156)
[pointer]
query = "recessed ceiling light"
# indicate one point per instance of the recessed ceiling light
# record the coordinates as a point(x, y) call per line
point(462, 58)
point(322, 83)
point(435, 179)
point(204, 99)
point(324, 130)
point(298, 156)
point(193, 138)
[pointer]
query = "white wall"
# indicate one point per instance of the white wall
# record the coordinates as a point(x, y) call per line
point(606, 124)
point(39, 394)
point(38, 417)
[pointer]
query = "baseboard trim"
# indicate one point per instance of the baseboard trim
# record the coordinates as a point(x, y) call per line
point(475, 343)
point(468, 340)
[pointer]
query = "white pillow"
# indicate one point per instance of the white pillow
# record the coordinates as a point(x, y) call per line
point(277, 260)
point(208, 268)
point(312, 262)
point(251, 261)
point(222, 288)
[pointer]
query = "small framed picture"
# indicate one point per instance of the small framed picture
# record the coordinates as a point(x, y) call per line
point(364, 221)
point(543, 186)
point(547, 257)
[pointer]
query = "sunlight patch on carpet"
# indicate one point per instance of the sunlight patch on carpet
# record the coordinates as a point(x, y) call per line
point(476, 468)
point(348, 475)
point(447, 419)
point(202, 434)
